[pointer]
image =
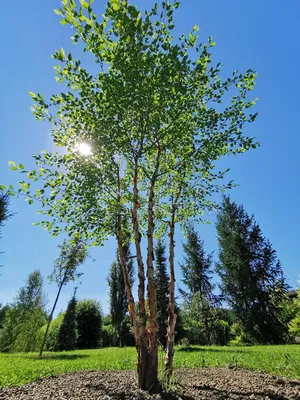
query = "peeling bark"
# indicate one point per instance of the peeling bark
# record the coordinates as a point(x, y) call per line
point(171, 308)
point(142, 343)
point(152, 378)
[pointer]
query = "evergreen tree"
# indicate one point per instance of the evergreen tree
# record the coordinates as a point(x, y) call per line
point(252, 278)
point(117, 294)
point(162, 290)
point(196, 268)
point(4, 211)
point(67, 337)
point(89, 324)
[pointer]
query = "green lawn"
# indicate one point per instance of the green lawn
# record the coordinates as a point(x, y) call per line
point(16, 369)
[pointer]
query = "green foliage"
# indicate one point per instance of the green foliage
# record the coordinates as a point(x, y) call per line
point(221, 332)
point(147, 89)
point(53, 334)
point(4, 208)
point(294, 327)
point(292, 312)
point(196, 268)
point(3, 311)
point(67, 336)
point(25, 316)
point(252, 281)
point(198, 319)
point(162, 289)
point(89, 324)
point(71, 256)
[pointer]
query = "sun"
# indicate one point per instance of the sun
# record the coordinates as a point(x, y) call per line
point(84, 149)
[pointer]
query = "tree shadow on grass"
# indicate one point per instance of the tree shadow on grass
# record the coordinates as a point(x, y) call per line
point(59, 357)
point(210, 350)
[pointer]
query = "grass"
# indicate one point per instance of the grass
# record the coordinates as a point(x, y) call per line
point(18, 369)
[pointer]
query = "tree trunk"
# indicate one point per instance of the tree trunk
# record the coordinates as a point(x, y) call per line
point(171, 308)
point(152, 377)
point(131, 304)
point(142, 342)
point(50, 318)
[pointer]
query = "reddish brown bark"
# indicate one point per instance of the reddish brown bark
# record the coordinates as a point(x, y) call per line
point(171, 308)
point(142, 343)
point(152, 378)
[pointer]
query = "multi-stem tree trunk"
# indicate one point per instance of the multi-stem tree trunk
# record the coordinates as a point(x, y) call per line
point(171, 308)
point(142, 344)
point(152, 378)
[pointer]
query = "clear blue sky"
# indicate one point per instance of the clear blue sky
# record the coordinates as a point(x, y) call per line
point(263, 35)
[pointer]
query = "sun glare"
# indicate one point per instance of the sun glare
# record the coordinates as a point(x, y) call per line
point(84, 149)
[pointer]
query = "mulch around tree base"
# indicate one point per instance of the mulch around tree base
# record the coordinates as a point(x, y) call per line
point(190, 384)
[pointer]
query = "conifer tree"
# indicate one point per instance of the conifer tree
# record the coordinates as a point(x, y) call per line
point(117, 294)
point(196, 268)
point(4, 211)
point(252, 280)
point(67, 337)
point(162, 288)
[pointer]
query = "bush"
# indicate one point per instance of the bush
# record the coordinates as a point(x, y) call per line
point(221, 332)
point(89, 324)
point(52, 338)
point(107, 336)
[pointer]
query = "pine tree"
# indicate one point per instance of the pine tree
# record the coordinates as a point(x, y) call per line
point(252, 280)
point(67, 337)
point(162, 284)
point(196, 267)
point(117, 294)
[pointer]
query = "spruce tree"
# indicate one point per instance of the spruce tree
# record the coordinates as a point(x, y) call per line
point(162, 284)
point(252, 280)
point(196, 268)
point(117, 294)
point(67, 337)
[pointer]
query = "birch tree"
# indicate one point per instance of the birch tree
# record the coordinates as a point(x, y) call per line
point(141, 137)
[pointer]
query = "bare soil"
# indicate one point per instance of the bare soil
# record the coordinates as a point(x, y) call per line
point(189, 384)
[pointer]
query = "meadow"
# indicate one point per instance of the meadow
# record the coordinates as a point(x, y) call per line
point(18, 369)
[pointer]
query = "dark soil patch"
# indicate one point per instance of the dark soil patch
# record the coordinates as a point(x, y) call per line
point(192, 384)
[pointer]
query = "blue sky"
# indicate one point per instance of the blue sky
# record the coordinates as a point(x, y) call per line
point(262, 35)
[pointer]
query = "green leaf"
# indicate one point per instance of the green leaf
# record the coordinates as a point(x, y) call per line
point(11, 163)
point(57, 11)
point(212, 44)
point(84, 3)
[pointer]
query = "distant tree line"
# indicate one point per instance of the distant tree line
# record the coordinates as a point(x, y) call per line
point(248, 305)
